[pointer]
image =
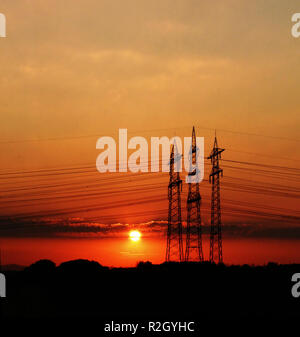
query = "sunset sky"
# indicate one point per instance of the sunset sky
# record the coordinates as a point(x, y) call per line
point(75, 70)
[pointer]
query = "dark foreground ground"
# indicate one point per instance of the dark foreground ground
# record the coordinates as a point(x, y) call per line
point(86, 291)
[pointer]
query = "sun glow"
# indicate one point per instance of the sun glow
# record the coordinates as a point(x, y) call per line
point(134, 236)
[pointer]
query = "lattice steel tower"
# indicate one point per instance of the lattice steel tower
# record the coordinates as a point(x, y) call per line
point(193, 250)
point(174, 250)
point(216, 254)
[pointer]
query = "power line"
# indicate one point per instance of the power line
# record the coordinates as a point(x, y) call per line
point(64, 138)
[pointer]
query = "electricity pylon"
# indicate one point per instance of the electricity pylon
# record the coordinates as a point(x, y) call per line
point(193, 250)
point(174, 250)
point(216, 254)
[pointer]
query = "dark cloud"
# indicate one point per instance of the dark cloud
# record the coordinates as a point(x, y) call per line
point(83, 228)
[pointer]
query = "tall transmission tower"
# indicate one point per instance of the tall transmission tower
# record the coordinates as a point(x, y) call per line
point(216, 254)
point(174, 250)
point(193, 250)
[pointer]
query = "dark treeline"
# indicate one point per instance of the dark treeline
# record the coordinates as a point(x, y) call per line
point(84, 288)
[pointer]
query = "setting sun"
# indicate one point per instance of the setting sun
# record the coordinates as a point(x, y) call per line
point(134, 235)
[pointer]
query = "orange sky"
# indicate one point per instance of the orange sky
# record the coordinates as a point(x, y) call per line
point(123, 252)
point(74, 71)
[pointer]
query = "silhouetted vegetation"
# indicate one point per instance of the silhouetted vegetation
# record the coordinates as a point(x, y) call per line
point(84, 288)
